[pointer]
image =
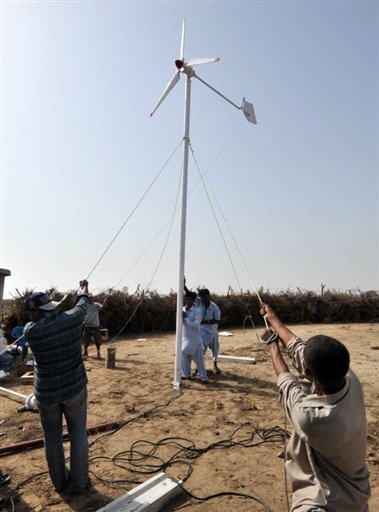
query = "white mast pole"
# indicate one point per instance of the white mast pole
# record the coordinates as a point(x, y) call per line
point(185, 67)
point(179, 304)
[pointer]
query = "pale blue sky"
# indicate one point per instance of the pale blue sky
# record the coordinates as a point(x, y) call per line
point(78, 148)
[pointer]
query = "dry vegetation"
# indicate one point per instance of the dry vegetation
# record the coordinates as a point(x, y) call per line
point(151, 312)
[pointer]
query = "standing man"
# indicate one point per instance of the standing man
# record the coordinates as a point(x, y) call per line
point(192, 346)
point(55, 338)
point(326, 454)
point(92, 325)
point(210, 317)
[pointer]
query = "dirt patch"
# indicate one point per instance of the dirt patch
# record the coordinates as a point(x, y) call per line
point(225, 437)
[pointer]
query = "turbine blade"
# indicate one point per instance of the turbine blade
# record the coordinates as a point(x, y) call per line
point(206, 60)
point(182, 40)
point(174, 80)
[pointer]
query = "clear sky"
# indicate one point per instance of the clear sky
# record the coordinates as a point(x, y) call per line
point(299, 191)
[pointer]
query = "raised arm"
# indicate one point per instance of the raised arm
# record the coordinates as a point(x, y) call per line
point(280, 366)
point(285, 334)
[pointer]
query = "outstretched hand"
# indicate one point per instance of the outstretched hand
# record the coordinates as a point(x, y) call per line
point(283, 332)
point(83, 284)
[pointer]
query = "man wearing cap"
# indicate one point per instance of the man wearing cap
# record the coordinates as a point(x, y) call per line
point(55, 338)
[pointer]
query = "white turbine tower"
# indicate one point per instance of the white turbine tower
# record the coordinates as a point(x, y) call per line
point(186, 67)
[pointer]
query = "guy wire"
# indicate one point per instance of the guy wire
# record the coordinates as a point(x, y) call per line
point(156, 267)
point(222, 236)
point(215, 217)
point(170, 221)
point(190, 192)
point(233, 238)
point(134, 209)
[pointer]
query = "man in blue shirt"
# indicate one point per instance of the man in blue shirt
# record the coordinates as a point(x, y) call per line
point(55, 338)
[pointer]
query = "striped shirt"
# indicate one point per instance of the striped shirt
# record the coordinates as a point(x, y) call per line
point(56, 343)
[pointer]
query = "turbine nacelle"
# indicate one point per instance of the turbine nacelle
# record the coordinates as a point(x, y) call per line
point(184, 67)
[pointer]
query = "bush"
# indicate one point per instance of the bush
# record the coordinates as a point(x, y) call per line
point(151, 312)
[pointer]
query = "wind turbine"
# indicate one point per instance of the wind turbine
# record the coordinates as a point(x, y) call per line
point(186, 68)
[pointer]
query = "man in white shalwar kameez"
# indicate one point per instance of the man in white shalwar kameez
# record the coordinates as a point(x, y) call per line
point(210, 317)
point(192, 342)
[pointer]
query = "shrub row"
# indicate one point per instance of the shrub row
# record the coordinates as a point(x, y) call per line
point(149, 311)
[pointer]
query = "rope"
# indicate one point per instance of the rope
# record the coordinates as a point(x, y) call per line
point(133, 210)
point(155, 271)
point(236, 245)
point(215, 217)
point(222, 236)
point(199, 181)
point(170, 221)
point(169, 232)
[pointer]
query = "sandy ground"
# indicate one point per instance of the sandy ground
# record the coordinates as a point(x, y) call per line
point(230, 431)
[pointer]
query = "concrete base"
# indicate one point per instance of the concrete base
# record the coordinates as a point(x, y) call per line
point(151, 496)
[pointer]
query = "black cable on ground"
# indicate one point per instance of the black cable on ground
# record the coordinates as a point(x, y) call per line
point(227, 493)
point(143, 458)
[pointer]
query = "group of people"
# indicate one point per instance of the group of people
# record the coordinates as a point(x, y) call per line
point(200, 321)
point(325, 457)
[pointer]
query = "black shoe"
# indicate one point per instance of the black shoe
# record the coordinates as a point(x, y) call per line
point(185, 378)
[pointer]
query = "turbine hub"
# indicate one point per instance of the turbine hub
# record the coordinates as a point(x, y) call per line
point(179, 63)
